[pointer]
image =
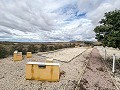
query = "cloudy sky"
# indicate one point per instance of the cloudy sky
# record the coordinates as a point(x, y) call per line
point(52, 20)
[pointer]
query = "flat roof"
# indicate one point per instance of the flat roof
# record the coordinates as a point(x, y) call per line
point(44, 63)
point(15, 51)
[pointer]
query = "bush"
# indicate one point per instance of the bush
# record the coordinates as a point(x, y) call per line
point(56, 47)
point(60, 46)
point(32, 48)
point(12, 49)
point(72, 45)
point(66, 46)
point(24, 51)
point(51, 48)
point(43, 48)
point(18, 47)
point(3, 52)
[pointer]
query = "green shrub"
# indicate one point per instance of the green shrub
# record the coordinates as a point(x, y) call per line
point(51, 48)
point(12, 49)
point(43, 48)
point(60, 46)
point(32, 48)
point(24, 51)
point(66, 46)
point(18, 47)
point(72, 45)
point(3, 52)
point(56, 47)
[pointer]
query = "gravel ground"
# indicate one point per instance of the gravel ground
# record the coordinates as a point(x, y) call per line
point(12, 74)
point(96, 76)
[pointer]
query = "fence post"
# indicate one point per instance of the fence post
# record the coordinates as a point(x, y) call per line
point(105, 54)
point(113, 68)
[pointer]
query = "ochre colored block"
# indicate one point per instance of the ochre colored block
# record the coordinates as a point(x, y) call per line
point(42, 71)
point(17, 56)
point(29, 55)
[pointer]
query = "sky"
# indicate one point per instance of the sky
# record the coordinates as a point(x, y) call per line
point(52, 20)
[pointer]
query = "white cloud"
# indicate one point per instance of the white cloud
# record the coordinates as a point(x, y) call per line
point(97, 14)
point(52, 20)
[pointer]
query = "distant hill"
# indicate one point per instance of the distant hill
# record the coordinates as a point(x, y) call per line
point(73, 41)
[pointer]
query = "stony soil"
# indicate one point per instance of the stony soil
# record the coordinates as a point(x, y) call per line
point(110, 52)
point(96, 76)
point(12, 74)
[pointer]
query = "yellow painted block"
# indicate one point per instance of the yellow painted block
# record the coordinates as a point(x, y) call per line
point(42, 71)
point(49, 60)
point(29, 55)
point(17, 56)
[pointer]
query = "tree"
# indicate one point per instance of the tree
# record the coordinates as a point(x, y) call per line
point(108, 32)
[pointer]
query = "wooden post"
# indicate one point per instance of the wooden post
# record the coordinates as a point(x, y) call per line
point(113, 69)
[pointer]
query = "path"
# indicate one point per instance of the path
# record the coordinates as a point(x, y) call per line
point(96, 76)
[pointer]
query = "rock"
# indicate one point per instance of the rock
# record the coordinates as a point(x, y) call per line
point(2, 77)
point(82, 87)
point(62, 73)
point(84, 81)
point(100, 69)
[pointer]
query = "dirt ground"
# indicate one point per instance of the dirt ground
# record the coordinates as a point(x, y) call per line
point(96, 76)
point(110, 51)
point(12, 74)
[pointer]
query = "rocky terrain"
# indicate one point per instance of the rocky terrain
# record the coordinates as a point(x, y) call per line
point(12, 74)
point(80, 69)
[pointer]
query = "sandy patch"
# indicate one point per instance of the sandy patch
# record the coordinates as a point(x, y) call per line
point(65, 54)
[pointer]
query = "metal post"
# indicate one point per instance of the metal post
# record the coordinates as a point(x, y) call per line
point(113, 69)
